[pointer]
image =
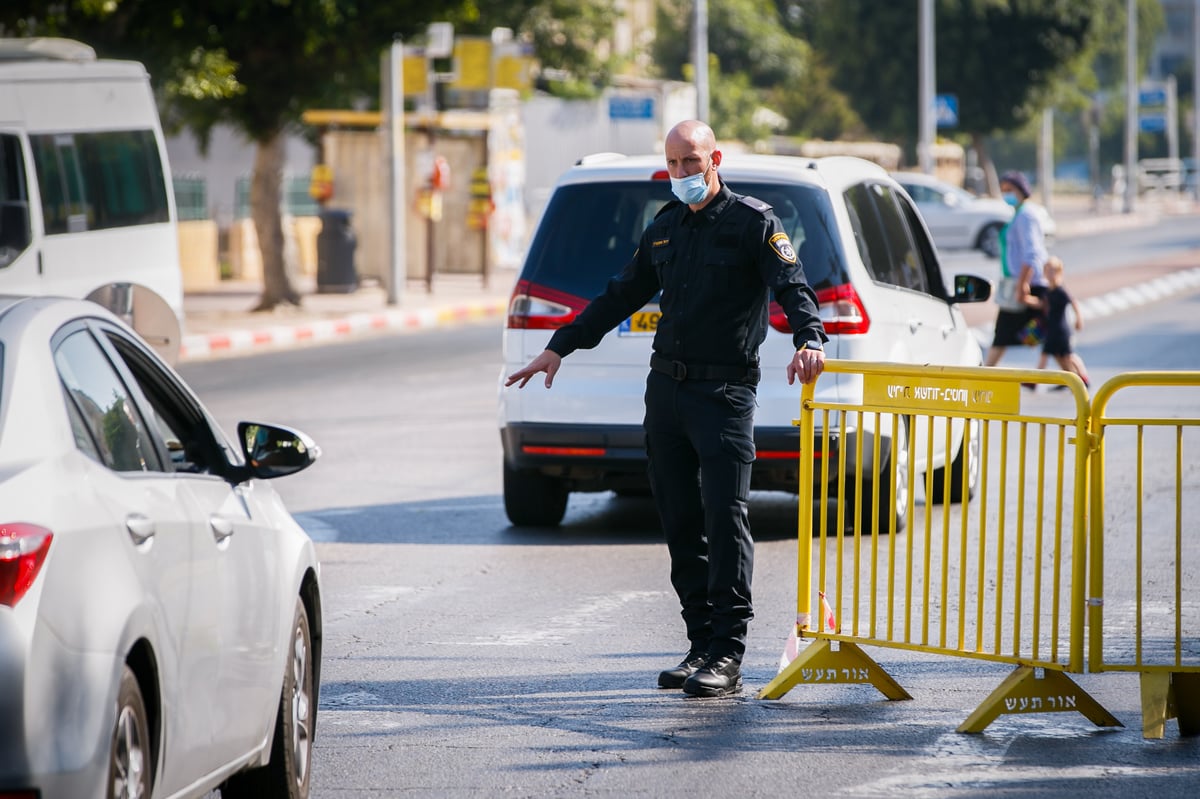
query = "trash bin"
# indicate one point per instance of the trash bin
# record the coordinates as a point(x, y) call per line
point(336, 273)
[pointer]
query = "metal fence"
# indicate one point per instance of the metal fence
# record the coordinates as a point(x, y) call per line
point(996, 567)
point(1143, 606)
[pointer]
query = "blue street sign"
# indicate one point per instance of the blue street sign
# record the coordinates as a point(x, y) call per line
point(631, 108)
point(1152, 123)
point(946, 110)
point(1152, 95)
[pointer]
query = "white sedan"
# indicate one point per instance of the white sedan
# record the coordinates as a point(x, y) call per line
point(160, 613)
point(960, 220)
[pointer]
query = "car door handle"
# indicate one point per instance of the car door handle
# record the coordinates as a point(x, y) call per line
point(947, 331)
point(141, 529)
point(221, 527)
point(914, 325)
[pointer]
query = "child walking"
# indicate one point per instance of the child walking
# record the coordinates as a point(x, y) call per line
point(1057, 343)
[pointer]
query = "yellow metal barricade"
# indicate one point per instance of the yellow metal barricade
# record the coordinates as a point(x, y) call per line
point(1143, 597)
point(985, 578)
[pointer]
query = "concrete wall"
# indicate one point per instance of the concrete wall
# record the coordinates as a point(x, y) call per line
point(198, 255)
point(229, 156)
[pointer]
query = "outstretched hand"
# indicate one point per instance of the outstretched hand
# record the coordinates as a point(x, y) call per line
point(547, 362)
point(807, 365)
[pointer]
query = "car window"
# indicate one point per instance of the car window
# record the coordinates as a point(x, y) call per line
point(177, 421)
point(590, 231)
point(908, 270)
point(922, 194)
point(119, 434)
point(925, 251)
point(868, 233)
point(79, 429)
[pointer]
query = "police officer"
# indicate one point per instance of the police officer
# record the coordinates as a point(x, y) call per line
point(716, 256)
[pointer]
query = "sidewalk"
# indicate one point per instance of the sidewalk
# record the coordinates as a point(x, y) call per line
point(220, 322)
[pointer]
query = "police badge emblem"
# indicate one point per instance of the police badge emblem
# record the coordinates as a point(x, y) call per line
point(783, 247)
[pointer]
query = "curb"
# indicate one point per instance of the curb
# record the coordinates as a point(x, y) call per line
point(243, 341)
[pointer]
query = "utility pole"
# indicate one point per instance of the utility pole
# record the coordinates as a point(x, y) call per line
point(398, 210)
point(1195, 102)
point(700, 57)
point(1131, 105)
point(1046, 160)
point(928, 82)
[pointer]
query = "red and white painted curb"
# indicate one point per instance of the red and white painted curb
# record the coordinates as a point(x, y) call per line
point(245, 341)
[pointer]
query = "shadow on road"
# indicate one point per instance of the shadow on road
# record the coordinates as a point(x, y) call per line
point(603, 518)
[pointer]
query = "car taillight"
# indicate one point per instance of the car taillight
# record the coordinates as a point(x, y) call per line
point(534, 307)
point(839, 307)
point(23, 549)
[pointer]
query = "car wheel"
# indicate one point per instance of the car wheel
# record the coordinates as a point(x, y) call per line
point(989, 240)
point(532, 499)
point(130, 772)
point(971, 447)
point(287, 773)
point(893, 498)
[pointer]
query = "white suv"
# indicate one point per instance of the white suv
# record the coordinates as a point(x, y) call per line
point(866, 252)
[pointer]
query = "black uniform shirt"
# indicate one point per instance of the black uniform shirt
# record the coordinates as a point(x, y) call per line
point(716, 269)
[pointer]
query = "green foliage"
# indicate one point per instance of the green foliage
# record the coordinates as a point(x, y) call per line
point(256, 64)
point(755, 63)
point(1004, 59)
point(995, 55)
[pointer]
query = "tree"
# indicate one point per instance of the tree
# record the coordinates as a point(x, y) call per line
point(1002, 58)
point(253, 64)
point(756, 63)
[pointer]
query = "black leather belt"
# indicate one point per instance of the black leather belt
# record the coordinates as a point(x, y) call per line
point(678, 370)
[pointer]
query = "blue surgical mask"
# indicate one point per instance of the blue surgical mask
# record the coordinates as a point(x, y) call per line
point(691, 189)
point(1011, 199)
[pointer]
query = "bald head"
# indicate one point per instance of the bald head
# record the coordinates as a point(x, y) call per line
point(694, 132)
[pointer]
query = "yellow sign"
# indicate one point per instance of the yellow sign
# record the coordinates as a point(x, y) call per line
point(416, 75)
point(514, 72)
point(473, 58)
point(934, 394)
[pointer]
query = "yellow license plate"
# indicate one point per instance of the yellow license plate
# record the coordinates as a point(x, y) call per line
point(641, 323)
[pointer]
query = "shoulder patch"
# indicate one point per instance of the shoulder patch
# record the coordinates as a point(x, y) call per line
point(783, 247)
point(755, 203)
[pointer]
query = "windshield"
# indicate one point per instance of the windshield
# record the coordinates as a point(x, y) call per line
point(590, 231)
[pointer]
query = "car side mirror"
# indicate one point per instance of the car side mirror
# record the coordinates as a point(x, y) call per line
point(969, 288)
point(950, 199)
point(274, 451)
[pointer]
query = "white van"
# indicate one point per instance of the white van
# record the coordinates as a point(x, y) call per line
point(85, 201)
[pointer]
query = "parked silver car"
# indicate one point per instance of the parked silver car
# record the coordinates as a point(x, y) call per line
point(160, 610)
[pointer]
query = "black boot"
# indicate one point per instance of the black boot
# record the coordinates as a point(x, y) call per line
point(719, 676)
point(674, 678)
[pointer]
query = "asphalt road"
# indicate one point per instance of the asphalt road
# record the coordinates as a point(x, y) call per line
point(465, 657)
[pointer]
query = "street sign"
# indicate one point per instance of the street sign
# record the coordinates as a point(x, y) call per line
point(631, 108)
point(1152, 123)
point(1152, 95)
point(946, 110)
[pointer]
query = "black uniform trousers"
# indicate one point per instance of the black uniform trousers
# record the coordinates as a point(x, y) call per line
point(700, 442)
